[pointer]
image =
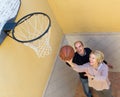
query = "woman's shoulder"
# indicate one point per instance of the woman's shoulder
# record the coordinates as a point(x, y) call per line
point(104, 66)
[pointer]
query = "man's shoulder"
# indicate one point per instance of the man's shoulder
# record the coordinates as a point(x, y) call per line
point(88, 49)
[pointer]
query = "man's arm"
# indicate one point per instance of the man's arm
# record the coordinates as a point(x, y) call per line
point(109, 65)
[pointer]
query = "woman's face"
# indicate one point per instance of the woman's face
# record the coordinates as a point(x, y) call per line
point(93, 60)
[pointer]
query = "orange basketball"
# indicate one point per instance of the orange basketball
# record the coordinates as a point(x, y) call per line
point(66, 52)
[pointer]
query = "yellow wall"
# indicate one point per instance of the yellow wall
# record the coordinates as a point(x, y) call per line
point(22, 73)
point(87, 15)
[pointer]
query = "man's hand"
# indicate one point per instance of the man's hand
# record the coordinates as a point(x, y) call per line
point(110, 66)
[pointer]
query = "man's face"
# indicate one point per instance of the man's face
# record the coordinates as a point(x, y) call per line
point(79, 48)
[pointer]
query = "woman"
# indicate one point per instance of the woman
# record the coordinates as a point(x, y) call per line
point(97, 73)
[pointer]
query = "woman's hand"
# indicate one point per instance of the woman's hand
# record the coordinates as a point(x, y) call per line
point(89, 75)
point(70, 62)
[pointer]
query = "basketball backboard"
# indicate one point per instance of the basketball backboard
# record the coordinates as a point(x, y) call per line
point(8, 13)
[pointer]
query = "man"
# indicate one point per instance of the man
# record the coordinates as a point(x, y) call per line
point(81, 57)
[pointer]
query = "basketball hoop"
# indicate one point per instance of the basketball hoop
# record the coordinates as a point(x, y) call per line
point(33, 30)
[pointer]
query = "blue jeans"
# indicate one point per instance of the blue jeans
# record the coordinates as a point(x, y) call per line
point(86, 88)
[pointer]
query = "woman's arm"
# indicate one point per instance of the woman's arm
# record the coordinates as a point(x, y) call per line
point(78, 68)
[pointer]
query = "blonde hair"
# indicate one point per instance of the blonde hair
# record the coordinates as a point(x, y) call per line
point(99, 55)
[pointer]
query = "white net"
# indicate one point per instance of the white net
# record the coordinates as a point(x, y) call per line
point(33, 28)
point(41, 46)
